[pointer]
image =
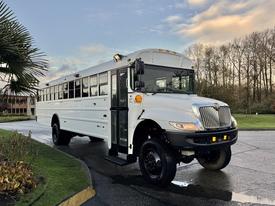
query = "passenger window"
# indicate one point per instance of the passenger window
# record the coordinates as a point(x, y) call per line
point(56, 92)
point(52, 93)
point(45, 95)
point(85, 89)
point(93, 85)
point(48, 94)
point(40, 96)
point(65, 91)
point(71, 89)
point(60, 91)
point(77, 88)
point(103, 84)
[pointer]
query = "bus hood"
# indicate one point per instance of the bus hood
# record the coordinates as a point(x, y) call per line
point(174, 107)
point(178, 101)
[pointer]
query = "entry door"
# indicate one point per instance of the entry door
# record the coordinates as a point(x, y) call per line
point(119, 110)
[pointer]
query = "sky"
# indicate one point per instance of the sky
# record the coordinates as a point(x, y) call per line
point(77, 34)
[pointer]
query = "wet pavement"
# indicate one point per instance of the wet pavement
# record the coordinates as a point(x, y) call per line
point(249, 179)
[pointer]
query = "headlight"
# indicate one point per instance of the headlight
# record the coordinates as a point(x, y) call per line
point(234, 122)
point(187, 126)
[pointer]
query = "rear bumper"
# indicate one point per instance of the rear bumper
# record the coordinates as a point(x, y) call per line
point(202, 140)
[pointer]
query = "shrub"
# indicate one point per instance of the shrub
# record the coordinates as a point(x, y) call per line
point(18, 148)
point(16, 177)
point(17, 152)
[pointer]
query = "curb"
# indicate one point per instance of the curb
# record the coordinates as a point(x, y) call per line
point(83, 196)
point(83, 164)
point(79, 198)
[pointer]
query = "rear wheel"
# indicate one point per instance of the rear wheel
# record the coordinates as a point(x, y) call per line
point(215, 159)
point(60, 137)
point(157, 163)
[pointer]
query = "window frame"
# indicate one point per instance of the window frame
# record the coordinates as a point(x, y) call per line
point(93, 85)
point(65, 90)
point(73, 94)
point(56, 92)
point(80, 88)
point(85, 87)
point(100, 84)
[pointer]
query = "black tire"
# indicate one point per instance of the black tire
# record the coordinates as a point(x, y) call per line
point(157, 163)
point(95, 139)
point(60, 137)
point(215, 159)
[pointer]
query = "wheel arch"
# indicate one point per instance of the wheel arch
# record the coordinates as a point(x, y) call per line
point(142, 130)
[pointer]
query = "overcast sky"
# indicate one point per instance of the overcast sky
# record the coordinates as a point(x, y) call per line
point(78, 34)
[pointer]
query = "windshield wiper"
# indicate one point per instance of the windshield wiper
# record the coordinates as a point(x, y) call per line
point(176, 90)
point(172, 90)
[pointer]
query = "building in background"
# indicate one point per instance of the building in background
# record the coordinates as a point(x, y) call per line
point(17, 105)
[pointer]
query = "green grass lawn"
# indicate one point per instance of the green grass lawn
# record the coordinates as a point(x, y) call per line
point(63, 175)
point(261, 121)
point(7, 118)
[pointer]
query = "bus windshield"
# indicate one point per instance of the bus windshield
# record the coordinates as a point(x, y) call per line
point(159, 79)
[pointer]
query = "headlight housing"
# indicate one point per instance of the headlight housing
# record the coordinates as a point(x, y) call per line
point(187, 126)
point(234, 122)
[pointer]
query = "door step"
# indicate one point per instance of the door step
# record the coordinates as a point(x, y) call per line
point(120, 161)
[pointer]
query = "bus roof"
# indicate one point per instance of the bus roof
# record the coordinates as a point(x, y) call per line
point(161, 57)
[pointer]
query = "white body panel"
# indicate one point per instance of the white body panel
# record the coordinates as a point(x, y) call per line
point(83, 115)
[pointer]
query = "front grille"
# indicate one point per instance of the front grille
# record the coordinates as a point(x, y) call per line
point(213, 118)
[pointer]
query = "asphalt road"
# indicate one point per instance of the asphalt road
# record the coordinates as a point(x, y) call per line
point(248, 180)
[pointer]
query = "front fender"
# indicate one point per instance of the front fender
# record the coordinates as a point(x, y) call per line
point(164, 116)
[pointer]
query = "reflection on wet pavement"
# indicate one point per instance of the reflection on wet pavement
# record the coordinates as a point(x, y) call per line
point(180, 184)
point(238, 197)
point(177, 187)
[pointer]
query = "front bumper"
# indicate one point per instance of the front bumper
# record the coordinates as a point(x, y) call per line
point(202, 140)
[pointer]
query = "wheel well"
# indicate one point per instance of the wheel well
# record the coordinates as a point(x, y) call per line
point(55, 119)
point(143, 130)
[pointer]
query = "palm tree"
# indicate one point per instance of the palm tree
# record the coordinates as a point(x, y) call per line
point(20, 62)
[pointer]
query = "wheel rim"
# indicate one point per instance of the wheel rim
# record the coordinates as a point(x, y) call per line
point(152, 163)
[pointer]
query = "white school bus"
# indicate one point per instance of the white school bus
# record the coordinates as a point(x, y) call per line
point(144, 106)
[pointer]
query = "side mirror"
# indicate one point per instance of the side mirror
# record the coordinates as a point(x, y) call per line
point(139, 67)
point(139, 85)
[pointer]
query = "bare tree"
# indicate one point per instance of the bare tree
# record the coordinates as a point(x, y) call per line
point(241, 69)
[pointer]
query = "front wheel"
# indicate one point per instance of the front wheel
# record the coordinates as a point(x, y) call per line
point(215, 159)
point(157, 163)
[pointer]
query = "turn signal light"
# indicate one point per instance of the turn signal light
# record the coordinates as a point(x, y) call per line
point(225, 137)
point(138, 99)
point(214, 139)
